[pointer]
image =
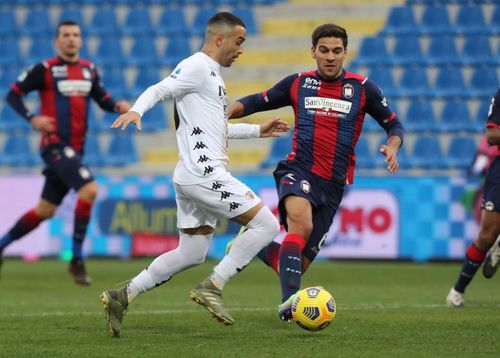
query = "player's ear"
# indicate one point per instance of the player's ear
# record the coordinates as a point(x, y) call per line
point(313, 52)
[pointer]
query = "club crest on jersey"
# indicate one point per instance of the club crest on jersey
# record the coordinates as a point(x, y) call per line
point(86, 73)
point(347, 90)
point(306, 187)
point(489, 206)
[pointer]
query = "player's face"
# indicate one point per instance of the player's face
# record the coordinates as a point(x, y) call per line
point(69, 41)
point(232, 46)
point(329, 54)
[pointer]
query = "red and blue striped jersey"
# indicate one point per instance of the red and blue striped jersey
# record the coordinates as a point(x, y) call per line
point(329, 116)
point(65, 90)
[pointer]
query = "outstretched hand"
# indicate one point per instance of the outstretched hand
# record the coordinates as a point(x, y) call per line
point(127, 118)
point(390, 158)
point(273, 128)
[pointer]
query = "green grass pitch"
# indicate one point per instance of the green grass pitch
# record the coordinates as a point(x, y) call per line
point(384, 309)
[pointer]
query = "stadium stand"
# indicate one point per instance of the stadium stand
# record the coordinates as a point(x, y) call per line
point(436, 60)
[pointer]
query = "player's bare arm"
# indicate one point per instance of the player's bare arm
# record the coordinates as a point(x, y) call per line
point(43, 124)
point(273, 128)
point(236, 110)
point(390, 150)
point(125, 119)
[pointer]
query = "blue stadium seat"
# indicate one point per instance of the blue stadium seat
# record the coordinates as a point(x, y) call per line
point(373, 51)
point(383, 78)
point(9, 52)
point(414, 83)
point(113, 79)
point(401, 20)
point(470, 20)
point(494, 26)
point(8, 26)
point(480, 116)
point(461, 152)
point(455, 117)
point(73, 14)
point(246, 14)
point(92, 155)
point(483, 82)
point(442, 51)
point(172, 22)
point(95, 124)
point(435, 20)
point(12, 122)
point(145, 77)
point(449, 83)
point(427, 153)
point(420, 117)
point(201, 17)
point(176, 50)
point(143, 52)
point(37, 23)
point(103, 23)
point(7, 77)
point(122, 150)
point(407, 51)
point(280, 148)
point(109, 52)
point(155, 119)
point(137, 22)
point(40, 49)
point(17, 151)
point(364, 158)
point(477, 51)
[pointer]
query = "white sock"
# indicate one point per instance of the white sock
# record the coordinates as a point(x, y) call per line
point(261, 230)
point(191, 251)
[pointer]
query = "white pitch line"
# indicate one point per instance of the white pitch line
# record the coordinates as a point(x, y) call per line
point(394, 306)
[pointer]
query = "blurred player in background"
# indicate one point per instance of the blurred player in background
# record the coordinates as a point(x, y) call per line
point(329, 105)
point(204, 189)
point(66, 84)
point(489, 225)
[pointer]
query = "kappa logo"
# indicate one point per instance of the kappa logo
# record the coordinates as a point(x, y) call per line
point(234, 206)
point(217, 185)
point(213, 74)
point(208, 170)
point(203, 159)
point(197, 131)
point(199, 145)
point(224, 195)
point(175, 73)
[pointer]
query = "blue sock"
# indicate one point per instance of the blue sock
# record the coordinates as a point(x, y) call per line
point(5, 240)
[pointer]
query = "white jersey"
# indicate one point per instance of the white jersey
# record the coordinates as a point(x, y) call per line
point(200, 97)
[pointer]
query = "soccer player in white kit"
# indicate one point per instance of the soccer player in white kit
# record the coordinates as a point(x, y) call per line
point(204, 189)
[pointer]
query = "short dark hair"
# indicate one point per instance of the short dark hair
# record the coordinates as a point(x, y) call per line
point(65, 23)
point(329, 30)
point(226, 18)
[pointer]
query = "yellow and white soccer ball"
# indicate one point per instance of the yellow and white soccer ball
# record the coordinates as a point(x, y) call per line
point(313, 308)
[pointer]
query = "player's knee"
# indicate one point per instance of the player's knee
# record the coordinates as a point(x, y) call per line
point(89, 191)
point(45, 211)
point(265, 221)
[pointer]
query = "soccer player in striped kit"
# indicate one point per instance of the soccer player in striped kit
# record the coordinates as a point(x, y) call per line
point(489, 224)
point(66, 84)
point(329, 105)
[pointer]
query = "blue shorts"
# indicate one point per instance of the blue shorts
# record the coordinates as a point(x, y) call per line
point(324, 196)
point(491, 195)
point(63, 171)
